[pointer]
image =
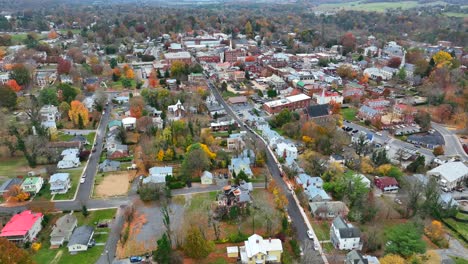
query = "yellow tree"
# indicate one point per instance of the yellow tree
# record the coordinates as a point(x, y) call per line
point(384, 169)
point(16, 194)
point(129, 74)
point(434, 230)
point(392, 259)
point(2, 53)
point(366, 166)
point(78, 113)
point(442, 57)
point(160, 155)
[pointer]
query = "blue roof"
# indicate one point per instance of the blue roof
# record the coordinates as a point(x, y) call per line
point(314, 192)
point(160, 170)
point(114, 123)
point(59, 177)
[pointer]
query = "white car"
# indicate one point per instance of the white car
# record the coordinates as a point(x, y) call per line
point(289, 219)
point(310, 234)
point(316, 246)
point(82, 180)
point(379, 133)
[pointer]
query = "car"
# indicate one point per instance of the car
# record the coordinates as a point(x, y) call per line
point(94, 150)
point(445, 189)
point(310, 234)
point(135, 259)
point(289, 219)
point(460, 189)
point(316, 246)
point(355, 131)
point(398, 201)
point(301, 252)
point(82, 180)
point(379, 133)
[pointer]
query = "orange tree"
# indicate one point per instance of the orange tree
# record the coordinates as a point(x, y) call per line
point(78, 113)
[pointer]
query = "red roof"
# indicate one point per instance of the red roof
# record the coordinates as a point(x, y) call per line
point(20, 224)
point(386, 181)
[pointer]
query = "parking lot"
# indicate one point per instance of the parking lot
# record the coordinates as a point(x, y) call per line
point(406, 129)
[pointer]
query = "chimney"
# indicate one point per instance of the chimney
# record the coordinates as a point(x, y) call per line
point(258, 241)
point(269, 240)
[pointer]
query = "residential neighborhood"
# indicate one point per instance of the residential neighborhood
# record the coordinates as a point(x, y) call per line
point(233, 132)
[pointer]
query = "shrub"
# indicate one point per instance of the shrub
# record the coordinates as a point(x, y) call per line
point(295, 248)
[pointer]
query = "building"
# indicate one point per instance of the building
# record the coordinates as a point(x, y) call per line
point(129, 123)
point(182, 56)
point(328, 209)
point(291, 103)
point(337, 158)
point(81, 239)
point(158, 175)
point(240, 164)
point(206, 177)
point(232, 56)
point(177, 111)
point(355, 257)
point(222, 125)
point(257, 250)
point(196, 77)
point(344, 236)
point(237, 100)
point(386, 184)
point(6, 186)
point(32, 184)
point(320, 114)
point(22, 227)
point(235, 142)
point(109, 165)
point(286, 150)
point(49, 114)
point(363, 179)
point(59, 183)
point(450, 175)
point(327, 97)
point(368, 113)
point(62, 230)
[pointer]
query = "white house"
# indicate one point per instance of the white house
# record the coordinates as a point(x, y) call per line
point(286, 150)
point(22, 227)
point(59, 183)
point(207, 178)
point(158, 175)
point(326, 97)
point(69, 161)
point(81, 239)
point(364, 179)
point(32, 184)
point(129, 122)
point(177, 111)
point(344, 236)
point(62, 230)
point(450, 174)
point(49, 114)
point(70, 152)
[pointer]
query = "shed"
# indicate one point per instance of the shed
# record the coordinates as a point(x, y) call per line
point(206, 178)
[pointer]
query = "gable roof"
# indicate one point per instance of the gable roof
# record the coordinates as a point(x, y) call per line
point(354, 257)
point(64, 224)
point(318, 110)
point(20, 224)
point(81, 235)
point(255, 244)
point(9, 183)
point(345, 230)
point(59, 177)
point(386, 181)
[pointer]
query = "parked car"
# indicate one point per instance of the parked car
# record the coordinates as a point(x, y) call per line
point(316, 246)
point(460, 189)
point(82, 180)
point(289, 219)
point(310, 234)
point(135, 259)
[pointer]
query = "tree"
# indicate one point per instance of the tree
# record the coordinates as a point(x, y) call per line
point(129, 74)
point(248, 29)
point(196, 246)
point(439, 150)
point(137, 105)
point(345, 71)
point(441, 58)
point(2, 52)
point(335, 107)
point(52, 35)
point(84, 211)
point(48, 96)
point(77, 111)
point(63, 66)
point(178, 69)
point(379, 157)
point(415, 192)
point(16, 194)
point(20, 74)
point(127, 83)
point(349, 42)
point(67, 93)
point(423, 119)
point(285, 116)
point(8, 97)
point(394, 62)
point(100, 99)
point(163, 253)
point(405, 240)
point(271, 93)
point(392, 259)
point(13, 85)
point(160, 155)
point(402, 74)
point(224, 86)
point(10, 253)
point(64, 107)
point(194, 163)
point(417, 165)
point(113, 63)
point(150, 192)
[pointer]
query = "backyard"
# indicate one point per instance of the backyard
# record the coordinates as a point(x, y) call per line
point(61, 255)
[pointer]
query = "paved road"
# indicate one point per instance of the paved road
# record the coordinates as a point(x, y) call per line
point(293, 209)
point(452, 142)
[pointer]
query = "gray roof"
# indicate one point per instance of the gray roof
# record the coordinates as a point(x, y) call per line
point(451, 171)
point(59, 177)
point(318, 110)
point(82, 235)
point(346, 231)
point(9, 183)
point(63, 224)
point(354, 257)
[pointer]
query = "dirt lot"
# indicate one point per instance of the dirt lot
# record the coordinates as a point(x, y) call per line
point(112, 184)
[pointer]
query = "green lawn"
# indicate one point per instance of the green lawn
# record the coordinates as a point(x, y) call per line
point(453, 14)
point(349, 113)
point(227, 94)
point(64, 137)
point(462, 216)
point(321, 229)
point(46, 255)
point(459, 260)
point(75, 175)
point(44, 193)
point(90, 139)
point(118, 84)
point(8, 167)
point(18, 38)
point(374, 7)
point(462, 228)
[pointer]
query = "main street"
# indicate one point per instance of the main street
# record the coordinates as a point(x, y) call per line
point(294, 210)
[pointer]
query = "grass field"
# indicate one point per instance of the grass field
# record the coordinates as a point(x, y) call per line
point(453, 14)
point(349, 113)
point(459, 260)
point(462, 228)
point(75, 175)
point(373, 7)
point(46, 255)
point(9, 167)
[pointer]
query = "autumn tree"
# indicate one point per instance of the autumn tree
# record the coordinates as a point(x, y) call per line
point(13, 85)
point(20, 74)
point(137, 105)
point(16, 194)
point(195, 162)
point(248, 29)
point(346, 71)
point(63, 66)
point(196, 245)
point(8, 97)
point(392, 259)
point(52, 35)
point(78, 112)
point(394, 62)
point(178, 69)
point(349, 42)
point(129, 74)
point(10, 253)
point(442, 58)
point(2, 52)
point(335, 107)
point(439, 150)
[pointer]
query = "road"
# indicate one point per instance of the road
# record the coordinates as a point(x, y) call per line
point(452, 143)
point(293, 209)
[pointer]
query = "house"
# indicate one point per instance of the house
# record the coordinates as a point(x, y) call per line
point(240, 164)
point(368, 113)
point(182, 56)
point(22, 227)
point(88, 102)
point(109, 165)
point(306, 181)
point(328, 209)
point(317, 194)
point(327, 97)
point(450, 174)
point(69, 161)
point(32, 184)
point(79, 138)
point(447, 201)
point(238, 100)
point(6, 186)
point(337, 158)
point(355, 257)
point(62, 230)
point(59, 183)
point(286, 150)
point(49, 114)
point(177, 111)
point(364, 179)
point(257, 250)
point(386, 184)
point(291, 103)
point(129, 123)
point(344, 236)
point(207, 177)
point(235, 142)
point(158, 175)
point(81, 239)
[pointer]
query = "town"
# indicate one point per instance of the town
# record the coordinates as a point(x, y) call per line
point(135, 132)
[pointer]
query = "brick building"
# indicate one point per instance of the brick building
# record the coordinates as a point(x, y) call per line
point(292, 103)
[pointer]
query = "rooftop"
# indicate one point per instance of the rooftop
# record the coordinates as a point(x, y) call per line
point(20, 224)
